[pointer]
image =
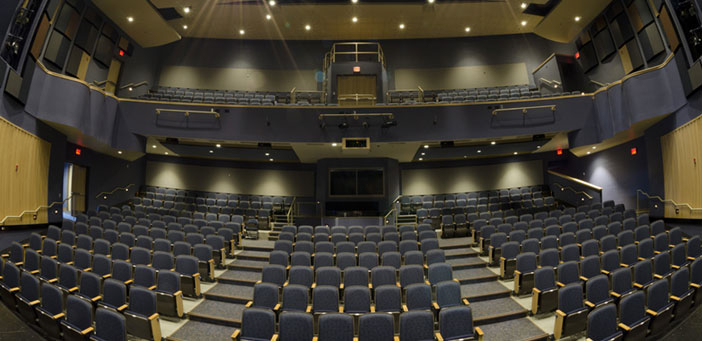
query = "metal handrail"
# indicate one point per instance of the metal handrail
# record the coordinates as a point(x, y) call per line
point(294, 91)
point(35, 211)
point(420, 92)
point(134, 85)
point(126, 189)
point(385, 218)
point(355, 115)
point(524, 109)
point(600, 84)
point(582, 182)
point(563, 188)
point(552, 83)
point(667, 201)
point(188, 112)
point(288, 216)
point(332, 54)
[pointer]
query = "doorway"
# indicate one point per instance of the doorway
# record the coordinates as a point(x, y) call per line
point(356, 89)
point(74, 180)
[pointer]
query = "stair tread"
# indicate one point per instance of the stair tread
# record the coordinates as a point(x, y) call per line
point(248, 276)
point(231, 290)
point(483, 289)
point(469, 261)
point(452, 242)
point(461, 251)
point(484, 310)
point(517, 329)
point(467, 274)
point(193, 330)
point(248, 263)
point(219, 310)
point(255, 254)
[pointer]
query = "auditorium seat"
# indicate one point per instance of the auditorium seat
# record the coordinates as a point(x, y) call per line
point(79, 319)
point(571, 315)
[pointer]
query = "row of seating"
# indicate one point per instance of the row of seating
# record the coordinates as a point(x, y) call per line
point(348, 259)
point(190, 196)
point(215, 96)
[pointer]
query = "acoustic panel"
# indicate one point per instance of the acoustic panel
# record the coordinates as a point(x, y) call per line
point(103, 52)
point(583, 39)
point(52, 8)
point(57, 49)
point(74, 61)
point(588, 57)
point(68, 20)
point(614, 10)
point(651, 41)
point(110, 32)
point(623, 32)
point(87, 36)
point(92, 16)
point(604, 44)
point(640, 14)
point(669, 29)
point(630, 57)
point(40, 36)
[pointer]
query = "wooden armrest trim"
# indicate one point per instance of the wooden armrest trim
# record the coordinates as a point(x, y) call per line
point(625, 327)
point(651, 312)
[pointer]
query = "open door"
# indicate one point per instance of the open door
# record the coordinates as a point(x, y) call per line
point(74, 188)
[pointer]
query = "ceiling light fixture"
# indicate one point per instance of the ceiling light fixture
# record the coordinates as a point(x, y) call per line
point(467, 29)
point(402, 26)
point(577, 19)
point(271, 3)
point(479, 151)
point(426, 146)
point(308, 27)
point(493, 143)
point(130, 19)
point(186, 9)
point(538, 147)
point(524, 22)
point(153, 146)
point(130, 88)
point(465, 156)
point(119, 152)
point(594, 147)
point(430, 1)
point(218, 145)
point(166, 153)
point(211, 151)
point(420, 159)
point(271, 159)
point(424, 154)
point(268, 17)
point(241, 32)
point(354, 19)
point(588, 153)
point(354, 1)
point(185, 27)
point(524, 5)
point(268, 154)
point(334, 144)
point(515, 153)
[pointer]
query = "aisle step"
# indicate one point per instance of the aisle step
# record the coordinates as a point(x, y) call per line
point(247, 265)
point(455, 243)
point(477, 292)
point(246, 278)
point(247, 254)
point(196, 330)
point(517, 329)
point(463, 252)
point(466, 263)
point(497, 310)
point(216, 312)
point(477, 275)
point(232, 293)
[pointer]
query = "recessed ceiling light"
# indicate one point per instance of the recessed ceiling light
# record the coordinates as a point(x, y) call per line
point(211, 151)
point(423, 153)
point(524, 5)
point(354, 19)
point(218, 145)
point(272, 2)
point(577, 19)
point(334, 144)
point(588, 153)
point(426, 146)
point(308, 27)
point(479, 151)
point(493, 143)
point(119, 152)
point(465, 156)
point(515, 153)
point(594, 147)
point(166, 153)
point(153, 146)
point(538, 147)
point(354, 1)
point(268, 154)
point(268, 17)
point(430, 1)
point(402, 26)
point(524, 22)
point(467, 29)
point(185, 27)
point(420, 159)
point(186, 9)
point(271, 159)
point(241, 32)
point(130, 19)
point(130, 88)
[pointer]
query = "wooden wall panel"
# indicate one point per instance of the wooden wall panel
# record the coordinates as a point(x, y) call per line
point(682, 169)
point(24, 174)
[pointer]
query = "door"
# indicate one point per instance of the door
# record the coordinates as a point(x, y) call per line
point(74, 188)
point(356, 89)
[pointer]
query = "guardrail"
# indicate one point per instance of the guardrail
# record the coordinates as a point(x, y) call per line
point(665, 201)
point(104, 194)
point(524, 109)
point(579, 196)
point(36, 211)
point(338, 50)
point(419, 89)
point(188, 112)
point(552, 83)
point(289, 215)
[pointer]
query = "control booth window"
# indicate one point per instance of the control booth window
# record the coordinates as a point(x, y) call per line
point(356, 182)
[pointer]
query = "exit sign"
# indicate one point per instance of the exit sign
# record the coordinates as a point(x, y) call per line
point(356, 69)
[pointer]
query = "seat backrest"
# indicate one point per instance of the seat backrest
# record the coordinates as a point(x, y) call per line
point(142, 301)
point(440, 272)
point(376, 327)
point(621, 280)
point(114, 292)
point(570, 298)
point(544, 278)
point(411, 274)
point(336, 327)
point(110, 325)
point(632, 308)
point(388, 298)
point(257, 324)
point(357, 299)
point(296, 326)
point(325, 299)
point(79, 312)
point(602, 322)
point(417, 325)
point(327, 275)
point(658, 298)
point(568, 272)
point(456, 323)
point(448, 294)
point(51, 298)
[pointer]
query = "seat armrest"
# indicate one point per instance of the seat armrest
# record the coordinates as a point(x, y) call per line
point(404, 308)
point(248, 304)
point(651, 312)
point(560, 313)
point(559, 284)
point(616, 295)
point(624, 327)
point(480, 333)
point(657, 276)
point(583, 278)
point(589, 304)
point(275, 337)
point(675, 298)
point(676, 267)
point(637, 285)
point(605, 272)
point(235, 334)
point(435, 306)
point(695, 285)
point(465, 301)
point(438, 337)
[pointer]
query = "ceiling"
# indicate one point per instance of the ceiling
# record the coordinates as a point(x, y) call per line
point(332, 20)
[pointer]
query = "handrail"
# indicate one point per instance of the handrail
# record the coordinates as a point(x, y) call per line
point(397, 199)
point(292, 95)
point(126, 189)
point(552, 83)
point(131, 86)
point(355, 115)
point(563, 188)
point(35, 211)
point(570, 178)
point(288, 216)
point(637, 73)
point(543, 63)
point(333, 52)
point(600, 84)
point(385, 218)
point(188, 112)
point(524, 109)
point(670, 201)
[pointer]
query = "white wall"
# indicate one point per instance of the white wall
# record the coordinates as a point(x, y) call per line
point(472, 178)
point(237, 78)
point(462, 77)
point(230, 180)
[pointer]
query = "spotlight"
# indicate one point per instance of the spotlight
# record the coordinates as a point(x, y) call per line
point(524, 5)
point(420, 159)
point(218, 145)
point(343, 125)
point(493, 143)
point(524, 22)
point(130, 19)
point(308, 27)
point(577, 19)
point(268, 17)
point(119, 152)
point(241, 32)
point(185, 27)
point(467, 29)
point(479, 151)
point(186, 9)
point(271, 160)
point(354, 1)
point(211, 151)
point(430, 1)
point(354, 19)
point(268, 154)
point(271, 3)
point(153, 146)
point(334, 144)
point(426, 146)
point(402, 26)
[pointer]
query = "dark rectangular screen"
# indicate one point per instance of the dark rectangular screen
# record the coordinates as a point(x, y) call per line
point(356, 182)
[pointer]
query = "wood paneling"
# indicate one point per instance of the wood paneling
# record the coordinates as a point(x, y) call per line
point(669, 29)
point(682, 171)
point(113, 76)
point(24, 174)
point(40, 36)
point(78, 180)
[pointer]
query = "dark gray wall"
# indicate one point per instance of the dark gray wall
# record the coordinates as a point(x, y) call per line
point(7, 11)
